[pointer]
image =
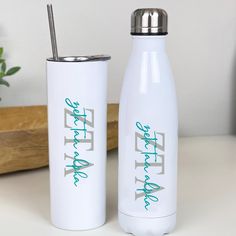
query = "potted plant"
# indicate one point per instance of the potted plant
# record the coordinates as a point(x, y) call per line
point(4, 72)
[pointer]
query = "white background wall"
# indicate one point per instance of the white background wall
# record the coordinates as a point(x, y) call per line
point(201, 45)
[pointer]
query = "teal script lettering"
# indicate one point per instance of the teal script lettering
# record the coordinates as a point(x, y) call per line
point(79, 120)
point(149, 153)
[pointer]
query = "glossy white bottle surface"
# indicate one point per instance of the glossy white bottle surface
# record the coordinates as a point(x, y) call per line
point(148, 141)
point(77, 111)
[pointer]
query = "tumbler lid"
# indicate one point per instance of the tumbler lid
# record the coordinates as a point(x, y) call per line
point(149, 21)
point(81, 58)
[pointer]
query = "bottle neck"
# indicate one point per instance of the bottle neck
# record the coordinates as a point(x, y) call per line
point(149, 43)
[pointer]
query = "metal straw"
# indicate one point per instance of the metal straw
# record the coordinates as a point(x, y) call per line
point(52, 32)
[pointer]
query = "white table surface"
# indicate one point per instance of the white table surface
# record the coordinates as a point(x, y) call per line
point(206, 194)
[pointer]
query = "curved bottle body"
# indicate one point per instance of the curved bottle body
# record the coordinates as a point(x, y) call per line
point(148, 140)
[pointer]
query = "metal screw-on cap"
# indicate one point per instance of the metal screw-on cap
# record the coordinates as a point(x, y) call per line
point(149, 21)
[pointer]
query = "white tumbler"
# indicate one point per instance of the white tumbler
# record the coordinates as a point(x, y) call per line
point(148, 131)
point(77, 113)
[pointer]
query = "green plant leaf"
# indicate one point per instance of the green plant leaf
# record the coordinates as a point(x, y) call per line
point(2, 60)
point(1, 74)
point(4, 67)
point(4, 82)
point(12, 71)
point(1, 52)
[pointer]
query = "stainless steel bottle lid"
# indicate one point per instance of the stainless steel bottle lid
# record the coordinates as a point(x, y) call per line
point(149, 21)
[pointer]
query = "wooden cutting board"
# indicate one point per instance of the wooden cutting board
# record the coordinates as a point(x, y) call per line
point(24, 136)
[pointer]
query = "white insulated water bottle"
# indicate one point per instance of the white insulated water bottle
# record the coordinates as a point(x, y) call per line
point(148, 127)
point(77, 111)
